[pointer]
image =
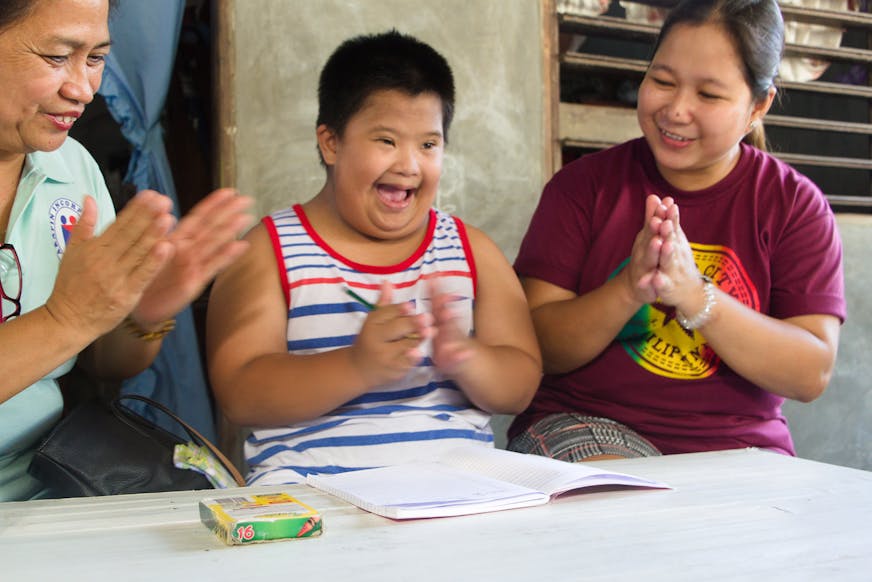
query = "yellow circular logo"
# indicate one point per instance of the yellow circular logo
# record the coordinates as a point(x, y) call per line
point(655, 340)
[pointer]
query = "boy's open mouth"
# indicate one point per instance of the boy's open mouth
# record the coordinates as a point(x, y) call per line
point(394, 196)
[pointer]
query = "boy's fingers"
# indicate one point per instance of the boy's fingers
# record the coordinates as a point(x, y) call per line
point(387, 294)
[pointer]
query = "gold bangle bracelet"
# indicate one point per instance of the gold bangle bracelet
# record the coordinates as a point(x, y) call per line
point(148, 336)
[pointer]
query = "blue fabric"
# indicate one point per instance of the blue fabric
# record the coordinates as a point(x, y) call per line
point(137, 75)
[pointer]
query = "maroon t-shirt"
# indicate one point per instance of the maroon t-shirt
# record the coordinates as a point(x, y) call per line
point(765, 234)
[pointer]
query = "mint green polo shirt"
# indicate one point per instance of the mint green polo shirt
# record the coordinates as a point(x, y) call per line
point(47, 204)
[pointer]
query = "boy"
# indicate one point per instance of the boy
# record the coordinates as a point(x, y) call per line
point(345, 334)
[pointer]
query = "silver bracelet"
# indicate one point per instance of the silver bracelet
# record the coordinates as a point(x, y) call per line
point(704, 314)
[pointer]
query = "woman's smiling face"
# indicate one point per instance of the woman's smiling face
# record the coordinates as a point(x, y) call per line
point(695, 106)
point(51, 64)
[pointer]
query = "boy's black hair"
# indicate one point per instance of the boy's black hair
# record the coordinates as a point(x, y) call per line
point(390, 60)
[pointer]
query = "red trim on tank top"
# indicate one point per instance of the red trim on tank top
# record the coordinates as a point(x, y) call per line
point(378, 270)
point(271, 230)
point(467, 249)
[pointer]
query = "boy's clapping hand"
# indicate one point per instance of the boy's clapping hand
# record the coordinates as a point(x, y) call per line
point(452, 347)
point(387, 346)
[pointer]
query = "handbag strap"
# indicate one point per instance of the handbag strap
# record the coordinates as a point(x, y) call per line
point(194, 433)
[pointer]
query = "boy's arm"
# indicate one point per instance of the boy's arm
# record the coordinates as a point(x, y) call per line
point(254, 378)
point(500, 366)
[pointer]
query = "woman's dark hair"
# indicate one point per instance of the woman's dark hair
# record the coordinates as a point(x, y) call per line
point(366, 64)
point(11, 11)
point(757, 30)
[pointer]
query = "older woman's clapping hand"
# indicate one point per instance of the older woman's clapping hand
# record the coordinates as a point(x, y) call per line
point(204, 242)
point(102, 277)
point(141, 265)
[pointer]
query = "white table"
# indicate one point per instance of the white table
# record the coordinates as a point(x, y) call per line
point(732, 515)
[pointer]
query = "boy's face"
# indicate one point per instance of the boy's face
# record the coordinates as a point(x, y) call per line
point(385, 168)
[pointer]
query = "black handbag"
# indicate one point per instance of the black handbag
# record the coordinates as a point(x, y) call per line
point(107, 449)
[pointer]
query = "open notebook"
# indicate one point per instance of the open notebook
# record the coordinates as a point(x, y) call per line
point(469, 479)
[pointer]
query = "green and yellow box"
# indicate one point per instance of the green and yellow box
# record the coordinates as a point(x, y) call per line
point(260, 518)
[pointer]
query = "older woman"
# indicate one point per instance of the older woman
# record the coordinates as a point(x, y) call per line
point(76, 282)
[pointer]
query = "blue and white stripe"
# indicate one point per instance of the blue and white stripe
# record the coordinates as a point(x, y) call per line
point(414, 418)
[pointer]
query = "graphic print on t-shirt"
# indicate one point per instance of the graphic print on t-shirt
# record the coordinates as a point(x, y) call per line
point(656, 341)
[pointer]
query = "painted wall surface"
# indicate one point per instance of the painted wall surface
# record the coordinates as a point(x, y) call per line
point(837, 427)
point(493, 169)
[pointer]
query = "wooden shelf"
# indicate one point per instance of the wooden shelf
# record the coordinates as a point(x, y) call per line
point(800, 14)
point(593, 126)
point(818, 124)
point(619, 123)
point(638, 67)
point(836, 18)
point(612, 27)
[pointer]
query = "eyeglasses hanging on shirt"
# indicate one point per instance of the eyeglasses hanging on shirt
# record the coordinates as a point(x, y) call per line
point(10, 282)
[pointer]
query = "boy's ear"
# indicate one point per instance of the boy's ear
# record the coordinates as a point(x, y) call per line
point(327, 143)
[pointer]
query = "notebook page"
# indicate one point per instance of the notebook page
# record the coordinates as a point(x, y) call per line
point(536, 472)
point(421, 489)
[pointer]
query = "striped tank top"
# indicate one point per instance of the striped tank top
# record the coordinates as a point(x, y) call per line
point(412, 419)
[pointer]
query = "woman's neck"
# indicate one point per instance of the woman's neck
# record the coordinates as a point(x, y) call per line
point(704, 177)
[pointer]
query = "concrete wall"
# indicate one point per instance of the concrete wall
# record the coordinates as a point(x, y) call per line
point(837, 427)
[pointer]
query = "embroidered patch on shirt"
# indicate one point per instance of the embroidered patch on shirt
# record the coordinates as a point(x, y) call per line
point(63, 216)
